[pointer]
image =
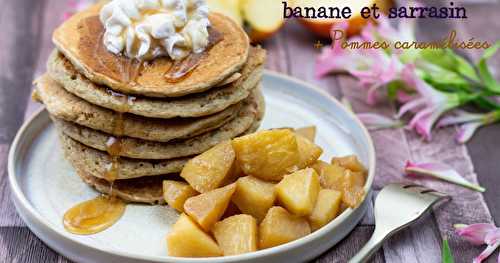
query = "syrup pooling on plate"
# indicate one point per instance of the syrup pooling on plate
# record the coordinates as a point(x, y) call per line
point(93, 216)
point(98, 214)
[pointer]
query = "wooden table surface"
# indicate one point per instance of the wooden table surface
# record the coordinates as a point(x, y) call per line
point(25, 32)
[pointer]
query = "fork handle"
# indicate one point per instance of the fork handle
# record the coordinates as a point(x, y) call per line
point(370, 247)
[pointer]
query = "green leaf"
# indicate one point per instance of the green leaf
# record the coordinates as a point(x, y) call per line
point(485, 73)
point(486, 104)
point(446, 253)
point(393, 87)
point(450, 61)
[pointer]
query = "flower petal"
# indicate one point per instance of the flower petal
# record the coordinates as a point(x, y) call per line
point(375, 121)
point(411, 105)
point(440, 171)
point(475, 233)
point(486, 253)
point(492, 237)
point(466, 131)
point(459, 117)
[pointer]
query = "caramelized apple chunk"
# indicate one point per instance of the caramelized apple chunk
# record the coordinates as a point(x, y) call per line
point(236, 234)
point(210, 169)
point(298, 191)
point(254, 196)
point(327, 208)
point(352, 188)
point(176, 193)
point(280, 227)
point(207, 208)
point(188, 240)
point(350, 162)
point(330, 175)
point(308, 152)
point(307, 132)
point(267, 154)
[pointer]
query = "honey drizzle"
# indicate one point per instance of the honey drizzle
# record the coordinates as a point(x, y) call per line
point(100, 213)
point(94, 215)
point(181, 69)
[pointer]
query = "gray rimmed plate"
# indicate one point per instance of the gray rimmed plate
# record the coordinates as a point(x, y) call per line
point(44, 185)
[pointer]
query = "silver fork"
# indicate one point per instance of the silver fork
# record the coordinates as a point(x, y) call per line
point(396, 207)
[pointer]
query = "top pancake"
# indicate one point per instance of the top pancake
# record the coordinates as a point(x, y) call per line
point(80, 40)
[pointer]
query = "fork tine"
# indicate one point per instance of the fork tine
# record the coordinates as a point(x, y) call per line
point(425, 190)
point(438, 194)
point(397, 206)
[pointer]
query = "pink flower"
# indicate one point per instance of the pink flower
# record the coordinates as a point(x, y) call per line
point(374, 68)
point(429, 105)
point(375, 121)
point(479, 234)
point(470, 122)
point(440, 171)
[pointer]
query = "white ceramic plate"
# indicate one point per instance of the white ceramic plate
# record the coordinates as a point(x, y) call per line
point(44, 185)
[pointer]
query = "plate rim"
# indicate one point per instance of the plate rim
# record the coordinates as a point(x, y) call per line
point(296, 244)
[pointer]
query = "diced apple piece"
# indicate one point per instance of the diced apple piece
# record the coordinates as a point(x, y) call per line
point(264, 18)
point(350, 162)
point(330, 175)
point(280, 227)
point(254, 196)
point(207, 208)
point(210, 169)
point(176, 193)
point(298, 191)
point(267, 154)
point(230, 8)
point(308, 152)
point(236, 235)
point(327, 208)
point(188, 240)
point(307, 132)
point(352, 188)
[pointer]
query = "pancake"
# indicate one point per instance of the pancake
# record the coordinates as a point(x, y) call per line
point(141, 149)
point(96, 162)
point(68, 107)
point(140, 190)
point(80, 40)
point(195, 105)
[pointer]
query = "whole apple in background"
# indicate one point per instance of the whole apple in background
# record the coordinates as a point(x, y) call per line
point(321, 27)
point(263, 17)
point(230, 8)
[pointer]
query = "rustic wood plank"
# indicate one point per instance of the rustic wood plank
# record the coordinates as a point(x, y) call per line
point(18, 244)
point(369, 218)
point(62, 259)
point(277, 56)
point(20, 22)
point(484, 147)
point(50, 22)
point(9, 216)
point(419, 243)
point(348, 247)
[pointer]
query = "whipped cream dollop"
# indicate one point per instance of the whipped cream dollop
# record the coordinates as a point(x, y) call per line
point(146, 29)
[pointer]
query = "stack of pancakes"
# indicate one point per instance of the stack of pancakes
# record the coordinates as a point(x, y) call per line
point(125, 126)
